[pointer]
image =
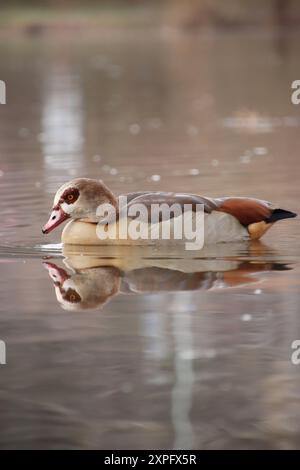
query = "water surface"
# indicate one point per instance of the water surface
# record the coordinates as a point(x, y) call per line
point(150, 348)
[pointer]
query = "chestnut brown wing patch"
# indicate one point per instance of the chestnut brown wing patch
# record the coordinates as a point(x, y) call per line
point(247, 211)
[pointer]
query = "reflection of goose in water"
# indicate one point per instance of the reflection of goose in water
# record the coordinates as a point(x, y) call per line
point(84, 289)
point(90, 281)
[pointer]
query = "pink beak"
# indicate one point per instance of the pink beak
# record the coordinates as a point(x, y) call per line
point(57, 217)
point(57, 274)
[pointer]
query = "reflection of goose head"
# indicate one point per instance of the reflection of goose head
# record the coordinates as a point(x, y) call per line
point(92, 280)
point(88, 289)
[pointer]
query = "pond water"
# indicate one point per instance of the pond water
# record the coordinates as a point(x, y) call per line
point(149, 348)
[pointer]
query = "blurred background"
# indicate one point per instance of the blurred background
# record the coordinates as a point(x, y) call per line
point(174, 95)
point(31, 16)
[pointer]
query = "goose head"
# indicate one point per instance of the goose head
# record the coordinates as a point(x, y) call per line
point(78, 199)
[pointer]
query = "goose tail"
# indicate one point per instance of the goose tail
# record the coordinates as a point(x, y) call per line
point(280, 214)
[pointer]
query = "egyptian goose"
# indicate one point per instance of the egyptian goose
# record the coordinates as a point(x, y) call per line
point(91, 285)
point(226, 219)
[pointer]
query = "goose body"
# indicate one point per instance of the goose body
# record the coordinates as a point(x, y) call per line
point(228, 219)
point(219, 227)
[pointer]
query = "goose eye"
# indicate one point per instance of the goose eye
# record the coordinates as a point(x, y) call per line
point(70, 195)
point(72, 296)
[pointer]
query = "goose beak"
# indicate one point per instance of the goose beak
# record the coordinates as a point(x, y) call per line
point(57, 274)
point(57, 217)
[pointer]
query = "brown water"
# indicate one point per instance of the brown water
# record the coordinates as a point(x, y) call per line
point(180, 350)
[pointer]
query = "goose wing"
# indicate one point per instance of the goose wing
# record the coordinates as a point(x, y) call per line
point(148, 199)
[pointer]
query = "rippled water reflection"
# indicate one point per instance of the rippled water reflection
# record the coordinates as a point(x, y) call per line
point(152, 348)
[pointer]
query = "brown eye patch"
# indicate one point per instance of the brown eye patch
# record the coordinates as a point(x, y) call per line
point(70, 195)
point(72, 296)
